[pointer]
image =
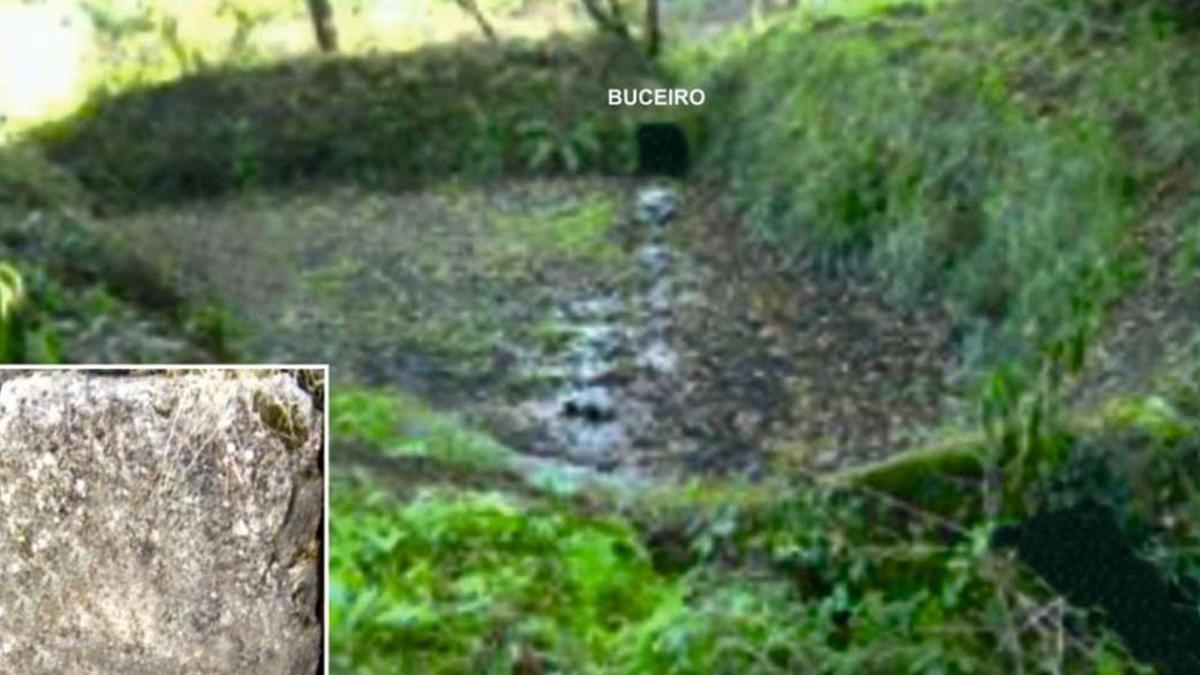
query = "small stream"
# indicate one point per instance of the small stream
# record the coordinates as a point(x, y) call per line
point(619, 364)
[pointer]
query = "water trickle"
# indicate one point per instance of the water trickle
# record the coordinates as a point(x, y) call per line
point(618, 359)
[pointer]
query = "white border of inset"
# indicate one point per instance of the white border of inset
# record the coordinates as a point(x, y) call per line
point(323, 367)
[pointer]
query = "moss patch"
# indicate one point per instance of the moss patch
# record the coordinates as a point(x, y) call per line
point(282, 419)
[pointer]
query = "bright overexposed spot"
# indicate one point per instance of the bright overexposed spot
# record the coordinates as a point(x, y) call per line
point(393, 13)
point(42, 55)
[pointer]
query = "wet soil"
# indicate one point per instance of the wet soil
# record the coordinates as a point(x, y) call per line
point(719, 361)
point(618, 327)
point(827, 369)
point(617, 371)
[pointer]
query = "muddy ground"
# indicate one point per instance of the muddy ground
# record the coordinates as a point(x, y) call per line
point(622, 325)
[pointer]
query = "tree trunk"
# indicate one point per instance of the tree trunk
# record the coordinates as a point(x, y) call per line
point(653, 31)
point(322, 18)
point(472, 7)
point(610, 21)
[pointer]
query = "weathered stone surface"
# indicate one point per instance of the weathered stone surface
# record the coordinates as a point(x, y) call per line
point(159, 523)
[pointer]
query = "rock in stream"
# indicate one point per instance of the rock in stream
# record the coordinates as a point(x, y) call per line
point(619, 363)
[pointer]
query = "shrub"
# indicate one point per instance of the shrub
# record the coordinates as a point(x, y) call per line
point(475, 111)
point(477, 583)
point(961, 154)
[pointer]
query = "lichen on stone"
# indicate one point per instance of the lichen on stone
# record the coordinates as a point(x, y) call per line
point(160, 522)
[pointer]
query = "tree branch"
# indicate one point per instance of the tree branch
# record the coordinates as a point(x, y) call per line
point(608, 20)
point(472, 7)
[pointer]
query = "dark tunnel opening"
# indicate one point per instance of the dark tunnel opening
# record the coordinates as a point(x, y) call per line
point(662, 150)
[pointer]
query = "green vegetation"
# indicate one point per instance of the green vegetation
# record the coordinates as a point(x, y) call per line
point(997, 156)
point(442, 275)
point(87, 297)
point(12, 297)
point(963, 155)
point(397, 121)
point(768, 578)
point(26, 332)
point(1027, 169)
point(473, 583)
point(571, 233)
point(403, 427)
point(28, 180)
point(113, 46)
point(866, 572)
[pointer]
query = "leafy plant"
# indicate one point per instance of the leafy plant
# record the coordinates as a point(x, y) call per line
point(471, 583)
point(712, 578)
point(548, 146)
point(26, 334)
point(12, 297)
point(215, 328)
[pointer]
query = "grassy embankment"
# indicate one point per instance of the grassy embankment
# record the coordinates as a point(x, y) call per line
point(990, 159)
point(133, 171)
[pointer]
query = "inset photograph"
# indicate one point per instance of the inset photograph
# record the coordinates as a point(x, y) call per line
point(162, 520)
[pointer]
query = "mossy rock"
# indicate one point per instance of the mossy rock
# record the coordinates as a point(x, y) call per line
point(941, 478)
